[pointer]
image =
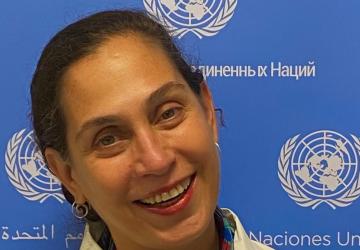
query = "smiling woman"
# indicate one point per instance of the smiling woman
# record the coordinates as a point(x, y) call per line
point(130, 131)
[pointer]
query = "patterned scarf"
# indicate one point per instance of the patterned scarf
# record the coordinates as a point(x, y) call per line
point(226, 230)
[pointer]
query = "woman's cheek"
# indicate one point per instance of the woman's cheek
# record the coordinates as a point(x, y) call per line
point(107, 174)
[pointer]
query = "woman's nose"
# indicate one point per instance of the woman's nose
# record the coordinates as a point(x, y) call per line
point(153, 155)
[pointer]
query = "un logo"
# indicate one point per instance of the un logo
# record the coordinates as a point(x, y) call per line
point(27, 170)
point(322, 167)
point(200, 17)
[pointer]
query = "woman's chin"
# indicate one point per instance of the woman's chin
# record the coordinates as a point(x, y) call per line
point(186, 233)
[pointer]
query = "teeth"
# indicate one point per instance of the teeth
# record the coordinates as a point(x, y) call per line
point(165, 196)
point(186, 182)
point(158, 198)
point(180, 188)
point(150, 200)
point(173, 192)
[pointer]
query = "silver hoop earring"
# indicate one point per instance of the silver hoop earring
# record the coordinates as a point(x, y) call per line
point(218, 147)
point(80, 210)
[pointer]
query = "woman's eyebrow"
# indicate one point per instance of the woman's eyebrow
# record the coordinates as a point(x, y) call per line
point(96, 122)
point(163, 91)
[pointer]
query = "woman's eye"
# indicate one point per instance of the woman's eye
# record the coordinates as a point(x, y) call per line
point(171, 116)
point(109, 143)
point(106, 140)
point(168, 114)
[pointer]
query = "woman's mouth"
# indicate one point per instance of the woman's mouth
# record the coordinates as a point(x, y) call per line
point(172, 201)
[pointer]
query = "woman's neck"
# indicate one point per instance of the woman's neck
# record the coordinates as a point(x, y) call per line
point(208, 240)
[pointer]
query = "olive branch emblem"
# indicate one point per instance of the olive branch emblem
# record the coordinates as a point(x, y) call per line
point(300, 197)
point(211, 29)
point(17, 180)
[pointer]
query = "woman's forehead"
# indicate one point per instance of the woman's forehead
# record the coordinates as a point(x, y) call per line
point(126, 60)
point(123, 71)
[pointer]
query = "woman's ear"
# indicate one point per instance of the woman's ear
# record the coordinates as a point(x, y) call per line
point(62, 170)
point(209, 108)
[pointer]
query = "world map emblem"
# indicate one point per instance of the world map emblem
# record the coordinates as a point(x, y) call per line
point(27, 170)
point(200, 17)
point(321, 168)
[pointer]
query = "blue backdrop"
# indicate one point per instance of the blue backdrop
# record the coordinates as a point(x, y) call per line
point(286, 74)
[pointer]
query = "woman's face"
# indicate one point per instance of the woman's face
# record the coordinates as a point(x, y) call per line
point(141, 144)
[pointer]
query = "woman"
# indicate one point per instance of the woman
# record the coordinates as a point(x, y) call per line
point(130, 131)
